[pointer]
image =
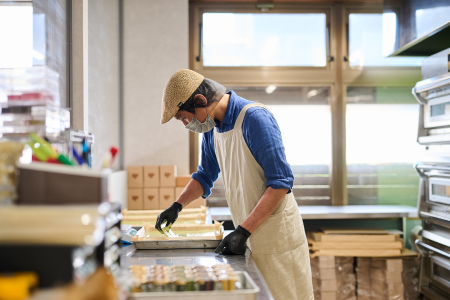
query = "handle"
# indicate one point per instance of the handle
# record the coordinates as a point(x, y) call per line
point(330, 58)
point(347, 57)
point(200, 41)
point(422, 246)
point(418, 97)
point(433, 218)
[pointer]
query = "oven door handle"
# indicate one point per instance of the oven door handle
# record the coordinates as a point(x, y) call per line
point(422, 246)
point(433, 218)
point(419, 98)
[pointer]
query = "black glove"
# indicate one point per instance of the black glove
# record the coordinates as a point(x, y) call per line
point(234, 243)
point(169, 216)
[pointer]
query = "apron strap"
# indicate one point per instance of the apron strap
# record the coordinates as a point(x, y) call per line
point(241, 116)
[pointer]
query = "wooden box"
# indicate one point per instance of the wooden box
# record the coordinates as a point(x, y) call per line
point(135, 178)
point(135, 199)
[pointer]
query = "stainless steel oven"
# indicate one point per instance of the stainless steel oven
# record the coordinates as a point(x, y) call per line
point(433, 94)
point(434, 246)
point(435, 272)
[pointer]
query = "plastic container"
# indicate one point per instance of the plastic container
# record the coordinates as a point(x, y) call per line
point(38, 85)
point(44, 120)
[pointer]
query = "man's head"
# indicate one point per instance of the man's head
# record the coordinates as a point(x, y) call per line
point(186, 92)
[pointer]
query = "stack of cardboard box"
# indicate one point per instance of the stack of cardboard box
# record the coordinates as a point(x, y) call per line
point(411, 268)
point(156, 187)
point(333, 278)
point(364, 289)
point(386, 279)
point(380, 279)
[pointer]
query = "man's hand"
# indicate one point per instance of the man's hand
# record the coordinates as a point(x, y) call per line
point(234, 243)
point(169, 216)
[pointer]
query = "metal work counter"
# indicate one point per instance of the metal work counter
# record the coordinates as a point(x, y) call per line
point(130, 256)
point(337, 212)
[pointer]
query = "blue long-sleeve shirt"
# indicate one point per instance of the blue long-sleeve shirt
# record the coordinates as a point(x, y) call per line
point(263, 138)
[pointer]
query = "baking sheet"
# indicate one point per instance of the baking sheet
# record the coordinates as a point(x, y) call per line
point(249, 291)
point(177, 244)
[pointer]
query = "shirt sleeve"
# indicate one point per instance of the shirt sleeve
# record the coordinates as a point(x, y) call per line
point(208, 170)
point(263, 138)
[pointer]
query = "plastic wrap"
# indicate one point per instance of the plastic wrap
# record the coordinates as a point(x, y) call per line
point(387, 279)
point(333, 278)
point(411, 268)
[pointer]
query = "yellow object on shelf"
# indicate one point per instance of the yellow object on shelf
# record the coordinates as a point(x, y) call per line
point(17, 286)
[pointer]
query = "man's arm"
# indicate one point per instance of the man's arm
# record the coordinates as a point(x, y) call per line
point(265, 207)
point(191, 192)
point(200, 185)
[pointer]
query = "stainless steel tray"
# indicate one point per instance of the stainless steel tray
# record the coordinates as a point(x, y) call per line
point(248, 292)
point(177, 244)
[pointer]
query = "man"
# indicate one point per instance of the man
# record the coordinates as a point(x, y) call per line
point(242, 140)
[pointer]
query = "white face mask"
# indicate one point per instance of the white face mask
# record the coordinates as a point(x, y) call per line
point(199, 127)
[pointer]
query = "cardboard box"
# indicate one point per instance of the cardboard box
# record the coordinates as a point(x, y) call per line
point(325, 295)
point(197, 203)
point(387, 290)
point(135, 199)
point(363, 262)
point(383, 275)
point(166, 197)
point(323, 262)
point(135, 177)
point(323, 273)
point(182, 181)
point(390, 265)
point(325, 285)
point(151, 176)
point(364, 287)
point(151, 198)
point(167, 176)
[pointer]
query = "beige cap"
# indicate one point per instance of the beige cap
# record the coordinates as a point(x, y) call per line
point(177, 91)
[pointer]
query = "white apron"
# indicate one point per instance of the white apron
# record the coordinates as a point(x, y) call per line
point(279, 245)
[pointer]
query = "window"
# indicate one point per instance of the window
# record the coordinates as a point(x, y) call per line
point(337, 146)
point(303, 114)
point(372, 37)
point(242, 39)
point(36, 34)
point(381, 146)
point(17, 43)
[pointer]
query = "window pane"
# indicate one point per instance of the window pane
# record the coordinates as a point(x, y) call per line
point(372, 37)
point(264, 39)
point(381, 146)
point(429, 19)
point(303, 114)
point(35, 34)
point(16, 36)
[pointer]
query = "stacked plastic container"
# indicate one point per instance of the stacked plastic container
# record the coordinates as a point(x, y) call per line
point(30, 102)
point(333, 278)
